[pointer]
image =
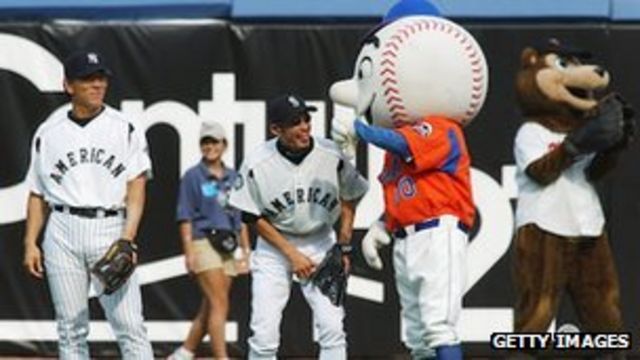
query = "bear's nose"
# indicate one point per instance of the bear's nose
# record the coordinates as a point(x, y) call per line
point(600, 71)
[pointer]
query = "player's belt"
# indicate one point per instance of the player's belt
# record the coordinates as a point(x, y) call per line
point(88, 212)
point(428, 224)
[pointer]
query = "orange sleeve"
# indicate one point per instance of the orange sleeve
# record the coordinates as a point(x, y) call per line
point(428, 143)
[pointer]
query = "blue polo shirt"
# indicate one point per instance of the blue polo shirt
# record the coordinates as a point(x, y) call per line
point(203, 200)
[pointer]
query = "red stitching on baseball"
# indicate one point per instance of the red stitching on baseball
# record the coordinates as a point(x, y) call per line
point(389, 80)
point(393, 45)
point(387, 71)
point(387, 62)
point(393, 99)
point(390, 53)
point(397, 107)
point(397, 38)
point(391, 90)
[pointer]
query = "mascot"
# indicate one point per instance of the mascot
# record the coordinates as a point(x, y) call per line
point(569, 139)
point(418, 80)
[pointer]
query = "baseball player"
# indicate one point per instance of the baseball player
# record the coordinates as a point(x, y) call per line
point(203, 209)
point(293, 189)
point(87, 178)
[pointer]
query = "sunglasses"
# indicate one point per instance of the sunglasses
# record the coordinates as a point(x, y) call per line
point(297, 121)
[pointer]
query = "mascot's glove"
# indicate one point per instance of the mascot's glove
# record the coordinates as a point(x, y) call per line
point(343, 132)
point(376, 237)
point(630, 127)
point(331, 277)
point(116, 266)
point(601, 131)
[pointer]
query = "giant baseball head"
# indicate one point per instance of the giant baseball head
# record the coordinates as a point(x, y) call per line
point(416, 66)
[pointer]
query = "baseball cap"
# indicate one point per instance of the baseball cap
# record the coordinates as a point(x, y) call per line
point(556, 46)
point(212, 129)
point(410, 7)
point(286, 108)
point(84, 63)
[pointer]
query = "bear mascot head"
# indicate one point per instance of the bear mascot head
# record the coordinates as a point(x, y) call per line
point(557, 87)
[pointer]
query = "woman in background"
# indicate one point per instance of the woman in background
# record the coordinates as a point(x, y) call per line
point(203, 210)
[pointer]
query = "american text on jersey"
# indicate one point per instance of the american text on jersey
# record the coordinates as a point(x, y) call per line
point(312, 195)
point(87, 156)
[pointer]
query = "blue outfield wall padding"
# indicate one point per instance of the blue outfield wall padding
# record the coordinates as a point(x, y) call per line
point(109, 9)
point(475, 9)
point(625, 10)
point(294, 10)
point(270, 9)
point(505, 9)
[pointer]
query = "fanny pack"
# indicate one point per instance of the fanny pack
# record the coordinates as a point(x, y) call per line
point(225, 241)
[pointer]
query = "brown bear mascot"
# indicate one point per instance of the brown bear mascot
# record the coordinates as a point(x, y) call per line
point(569, 139)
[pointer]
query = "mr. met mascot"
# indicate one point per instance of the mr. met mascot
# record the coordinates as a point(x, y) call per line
point(418, 80)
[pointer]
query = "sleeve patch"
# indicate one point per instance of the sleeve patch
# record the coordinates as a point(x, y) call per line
point(424, 128)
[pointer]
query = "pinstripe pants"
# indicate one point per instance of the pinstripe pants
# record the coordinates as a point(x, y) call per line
point(72, 244)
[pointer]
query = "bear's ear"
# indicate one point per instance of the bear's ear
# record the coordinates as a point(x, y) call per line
point(529, 57)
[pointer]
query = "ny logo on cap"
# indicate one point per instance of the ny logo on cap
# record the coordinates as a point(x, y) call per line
point(92, 58)
point(293, 101)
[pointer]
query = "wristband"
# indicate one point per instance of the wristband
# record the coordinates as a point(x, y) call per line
point(346, 249)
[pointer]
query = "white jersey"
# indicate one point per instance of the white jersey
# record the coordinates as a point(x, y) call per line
point(87, 165)
point(570, 205)
point(297, 199)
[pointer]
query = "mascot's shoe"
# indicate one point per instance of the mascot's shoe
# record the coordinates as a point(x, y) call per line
point(181, 353)
point(449, 352)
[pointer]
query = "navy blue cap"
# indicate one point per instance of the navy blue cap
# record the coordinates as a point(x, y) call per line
point(84, 63)
point(287, 108)
point(556, 46)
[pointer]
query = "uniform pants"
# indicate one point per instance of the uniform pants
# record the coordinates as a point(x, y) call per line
point(430, 273)
point(545, 265)
point(271, 287)
point(71, 246)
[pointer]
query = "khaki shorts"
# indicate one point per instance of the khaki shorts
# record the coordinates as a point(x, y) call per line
point(208, 258)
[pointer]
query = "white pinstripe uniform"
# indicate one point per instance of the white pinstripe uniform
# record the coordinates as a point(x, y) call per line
point(302, 202)
point(88, 166)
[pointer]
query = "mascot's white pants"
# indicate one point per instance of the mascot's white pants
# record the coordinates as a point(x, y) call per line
point(270, 290)
point(430, 272)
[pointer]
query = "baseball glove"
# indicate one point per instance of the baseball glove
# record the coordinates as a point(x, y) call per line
point(601, 131)
point(331, 277)
point(630, 127)
point(116, 266)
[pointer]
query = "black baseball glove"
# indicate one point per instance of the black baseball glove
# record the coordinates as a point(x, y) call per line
point(629, 127)
point(331, 277)
point(116, 266)
point(600, 131)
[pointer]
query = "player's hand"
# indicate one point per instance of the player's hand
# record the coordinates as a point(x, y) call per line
point(376, 237)
point(344, 134)
point(134, 257)
point(190, 261)
point(346, 263)
point(242, 264)
point(301, 265)
point(33, 261)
